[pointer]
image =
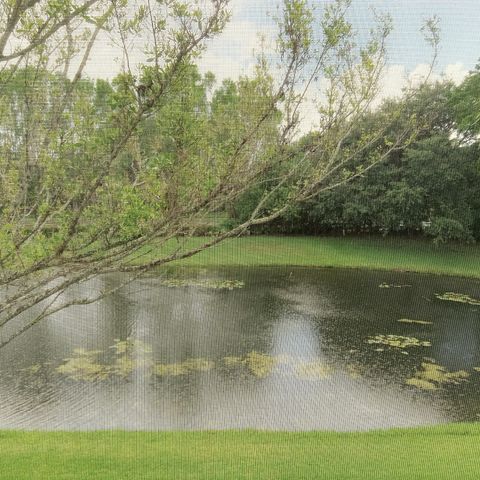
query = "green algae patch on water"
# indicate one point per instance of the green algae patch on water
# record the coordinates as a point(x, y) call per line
point(398, 341)
point(213, 284)
point(32, 370)
point(233, 361)
point(457, 297)
point(84, 366)
point(260, 364)
point(123, 366)
point(392, 285)
point(420, 383)
point(284, 359)
point(432, 376)
point(129, 355)
point(130, 345)
point(419, 322)
point(183, 368)
point(313, 370)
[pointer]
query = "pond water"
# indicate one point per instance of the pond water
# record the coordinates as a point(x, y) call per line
point(272, 348)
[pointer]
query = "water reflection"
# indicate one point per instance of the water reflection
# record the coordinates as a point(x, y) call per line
point(295, 349)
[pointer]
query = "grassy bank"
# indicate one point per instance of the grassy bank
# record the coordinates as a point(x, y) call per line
point(374, 253)
point(445, 452)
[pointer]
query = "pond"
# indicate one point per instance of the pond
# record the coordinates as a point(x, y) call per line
point(267, 348)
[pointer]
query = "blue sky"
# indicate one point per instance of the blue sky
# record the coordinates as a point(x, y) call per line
point(459, 22)
point(231, 54)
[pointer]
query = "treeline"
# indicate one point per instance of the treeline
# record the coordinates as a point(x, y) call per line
point(55, 134)
point(429, 187)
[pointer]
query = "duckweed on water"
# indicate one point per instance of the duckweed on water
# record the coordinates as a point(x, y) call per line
point(398, 341)
point(259, 364)
point(130, 345)
point(215, 284)
point(419, 322)
point(83, 366)
point(433, 376)
point(390, 285)
point(457, 297)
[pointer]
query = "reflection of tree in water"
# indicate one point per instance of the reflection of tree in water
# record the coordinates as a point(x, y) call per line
point(117, 310)
point(284, 324)
point(191, 322)
point(363, 311)
point(28, 363)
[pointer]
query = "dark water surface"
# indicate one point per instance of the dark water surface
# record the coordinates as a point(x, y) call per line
point(295, 349)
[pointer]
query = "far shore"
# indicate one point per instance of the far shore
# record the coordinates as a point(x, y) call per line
point(377, 253)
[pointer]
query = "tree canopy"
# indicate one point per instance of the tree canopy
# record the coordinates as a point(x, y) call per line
point(93, 173)
point(430, 186)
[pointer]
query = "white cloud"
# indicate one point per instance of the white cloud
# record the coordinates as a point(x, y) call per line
point(224, 67)
point(456, 72)
point(395, 79)
point(233, 52)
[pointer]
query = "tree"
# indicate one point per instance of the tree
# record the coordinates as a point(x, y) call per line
point(398, 193)
point(83, 188)
point(465, 102)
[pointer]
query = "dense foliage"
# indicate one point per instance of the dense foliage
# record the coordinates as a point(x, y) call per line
point(431, 186)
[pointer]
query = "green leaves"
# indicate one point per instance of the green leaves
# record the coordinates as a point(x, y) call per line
point(336, 29)
point(465, 103)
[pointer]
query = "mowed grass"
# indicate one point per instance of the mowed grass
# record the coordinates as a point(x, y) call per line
point(446, 452)
point(349, 252)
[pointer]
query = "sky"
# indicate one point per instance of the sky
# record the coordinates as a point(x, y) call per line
point(231, 54)
point(459, 24)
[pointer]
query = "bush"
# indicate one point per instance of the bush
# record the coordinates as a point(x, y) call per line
point(445, 230)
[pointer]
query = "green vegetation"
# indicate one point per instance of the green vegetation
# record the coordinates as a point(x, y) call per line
point(213, 284)
point(432, 376)
point(418, 322)
point(374, 253)
point(457, 297)
point(431, 186)
point(398, 341)
point(444, 452)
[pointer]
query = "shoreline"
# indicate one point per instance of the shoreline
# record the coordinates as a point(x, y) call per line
point(382, 254)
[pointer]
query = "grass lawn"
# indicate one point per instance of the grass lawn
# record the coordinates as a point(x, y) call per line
point(446, 452)
point(358, 252)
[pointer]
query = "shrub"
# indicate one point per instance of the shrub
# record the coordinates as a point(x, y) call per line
point(445, 230)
